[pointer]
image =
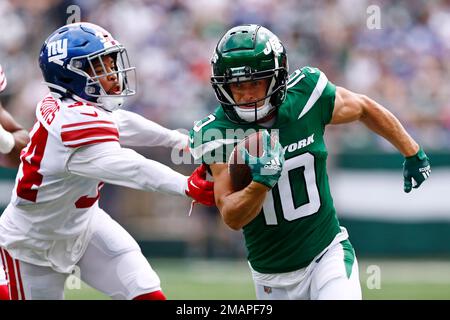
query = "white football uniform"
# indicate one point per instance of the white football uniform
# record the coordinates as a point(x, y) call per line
point(332, 275)
point(74, 149)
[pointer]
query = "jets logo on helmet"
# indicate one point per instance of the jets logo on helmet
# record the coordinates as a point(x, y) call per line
point(274, 44)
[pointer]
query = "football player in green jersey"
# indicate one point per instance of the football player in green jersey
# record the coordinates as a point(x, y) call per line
point(296, 247)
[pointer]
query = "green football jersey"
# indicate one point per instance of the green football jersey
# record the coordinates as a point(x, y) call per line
point(298, 219)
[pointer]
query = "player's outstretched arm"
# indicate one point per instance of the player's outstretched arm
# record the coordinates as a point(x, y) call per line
point(113, 164)
point(350, 106)
point(237, 208)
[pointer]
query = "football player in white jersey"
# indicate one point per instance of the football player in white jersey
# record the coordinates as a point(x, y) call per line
point(53, 223)
point(13, 137)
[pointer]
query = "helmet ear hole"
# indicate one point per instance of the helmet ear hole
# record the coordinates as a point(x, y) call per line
point(90, 89)
point(66, 80)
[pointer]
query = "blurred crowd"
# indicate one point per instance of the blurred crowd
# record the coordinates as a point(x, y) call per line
point(403, 62)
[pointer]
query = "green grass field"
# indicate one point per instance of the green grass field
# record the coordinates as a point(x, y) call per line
point(231, 280)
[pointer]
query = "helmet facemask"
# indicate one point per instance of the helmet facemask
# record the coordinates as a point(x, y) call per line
point(68, 60)
point(249, 53)
point(221, 85)
point(123, 71)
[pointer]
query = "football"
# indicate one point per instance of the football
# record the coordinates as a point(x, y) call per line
point(240, 173)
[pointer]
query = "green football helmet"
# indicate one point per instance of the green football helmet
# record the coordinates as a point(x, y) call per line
point(249, 53)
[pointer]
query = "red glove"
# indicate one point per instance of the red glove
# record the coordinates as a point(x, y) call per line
point(199, 189)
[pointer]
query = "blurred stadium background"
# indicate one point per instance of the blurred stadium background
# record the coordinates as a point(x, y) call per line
point(404, 65)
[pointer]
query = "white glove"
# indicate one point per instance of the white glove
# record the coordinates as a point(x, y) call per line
point(2, 79)
point(6, 141)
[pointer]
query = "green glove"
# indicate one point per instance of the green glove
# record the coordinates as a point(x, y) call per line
point(416, 169)
point(267, 168)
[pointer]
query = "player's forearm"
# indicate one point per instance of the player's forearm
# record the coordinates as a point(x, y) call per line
point(126, 168)
point(383, 122)
point(151, 175)
point(240, 208)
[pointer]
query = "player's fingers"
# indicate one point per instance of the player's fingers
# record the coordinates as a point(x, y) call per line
point(201, 170)
point(186, 148)
point(207, 198)
point(205, 184)
point(245, 155)
point(209, 185)
point(210, 196)
point(266, 140)
point(278, 150)
point(418, 183)
point(407, 185)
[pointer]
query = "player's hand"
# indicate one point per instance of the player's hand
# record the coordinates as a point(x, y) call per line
point(200, 189)
point(2, 79)
point(182, 143)
point(267, 168)
point(416, 169)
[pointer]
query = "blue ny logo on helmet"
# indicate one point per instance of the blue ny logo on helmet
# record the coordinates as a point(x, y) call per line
point(67, 60)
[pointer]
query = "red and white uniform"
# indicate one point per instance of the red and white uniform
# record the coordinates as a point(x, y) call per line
point(74, 149)
point(3, 280)
point(2, 273)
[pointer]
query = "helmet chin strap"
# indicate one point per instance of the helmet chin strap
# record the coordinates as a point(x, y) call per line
point(111, 103)
point(262, 111)
point(107, 103)
point(249, 114)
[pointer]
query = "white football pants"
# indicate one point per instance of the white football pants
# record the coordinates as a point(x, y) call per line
point(112, 263)
point(333, 275)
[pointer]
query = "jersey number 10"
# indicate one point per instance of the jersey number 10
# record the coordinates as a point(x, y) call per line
point(302, 164)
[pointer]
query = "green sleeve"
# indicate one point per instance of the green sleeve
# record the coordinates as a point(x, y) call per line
point(315, 94)
point(208, 142)
point(327, 102)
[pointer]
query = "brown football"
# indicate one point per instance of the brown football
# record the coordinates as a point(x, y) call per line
point(239, 172)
